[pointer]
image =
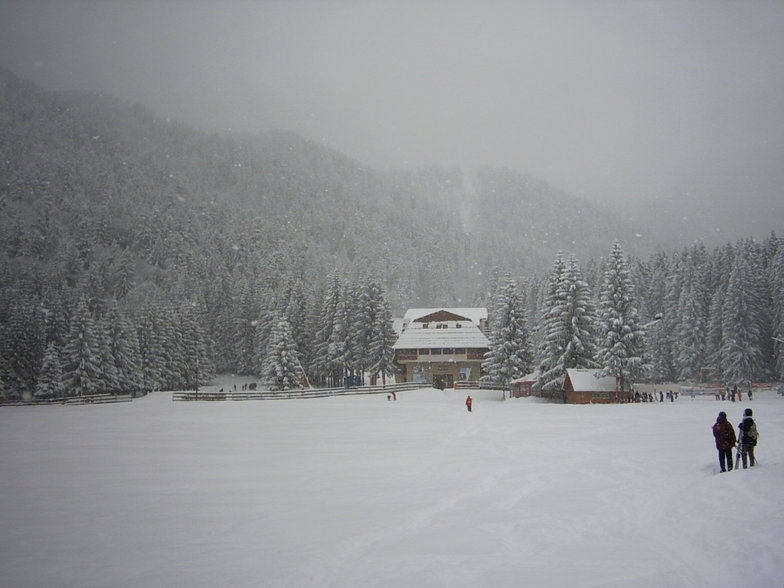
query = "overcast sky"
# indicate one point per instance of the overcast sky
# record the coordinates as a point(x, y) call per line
point(652, 101)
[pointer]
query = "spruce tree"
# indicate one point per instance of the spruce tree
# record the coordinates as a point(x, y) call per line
point(742, 359)
point(777, 303)
point(571, 327)
point(510, 355)
point(621, 344)
point(338, 350)
point(282, 370)
point(691, 334)
point(151, 349)
point(82, 373)
point(579, 318)
point(553, 332)
point(715, 335)
point(50, 377)
point(124, 345)
point(110, 380)
point(23, 346)
point(381, 353)
point(323, 357)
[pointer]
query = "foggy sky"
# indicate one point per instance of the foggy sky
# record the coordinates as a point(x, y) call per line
point(656, 102)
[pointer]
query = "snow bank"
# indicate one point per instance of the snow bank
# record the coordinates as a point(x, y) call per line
point(362, 491)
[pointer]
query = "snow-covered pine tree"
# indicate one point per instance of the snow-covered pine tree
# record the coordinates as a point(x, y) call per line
point(56, 315)
point(364, 320)
point(621, 343)
point(295, 310)
point(151, 349)
point(692, 315)
point(169, 355)
point(323, 338)
point(50, 376)
point(510, 354)
point(741, 356)
point(110, 381)
point(714, 336)
point(572, 323)
point(381, 353)
point(196, 365)
point(691, 334)
point(553, 332)
point(337, 358)
point(777, 303)
point(23, 346)
point(282, 370)
point(4, 392)
point(82, 373)
point(124, 345)
point(579, 318)
point(246, 310)
point(355, 342)
point(662, 343)
point(263, 324)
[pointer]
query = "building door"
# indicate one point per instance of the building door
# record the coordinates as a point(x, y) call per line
point(442, 381)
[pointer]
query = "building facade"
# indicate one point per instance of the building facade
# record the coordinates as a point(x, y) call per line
point(442, 346)
point(585, 387)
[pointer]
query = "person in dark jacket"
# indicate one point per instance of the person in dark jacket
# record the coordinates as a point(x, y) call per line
point(748, 438)
point(724, 433)
point(469, 403)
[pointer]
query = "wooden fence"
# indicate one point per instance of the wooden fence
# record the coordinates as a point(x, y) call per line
point(472, 385)
point(91, 399)
point(296, 394)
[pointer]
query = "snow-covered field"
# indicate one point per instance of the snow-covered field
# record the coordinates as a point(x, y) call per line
point(361, 491)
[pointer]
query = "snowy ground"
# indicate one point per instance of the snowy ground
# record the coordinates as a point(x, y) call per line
point(361, 492)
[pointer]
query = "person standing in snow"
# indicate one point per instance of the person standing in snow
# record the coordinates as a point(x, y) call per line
point(724, 433)
point(748, 438)
point(469, 403)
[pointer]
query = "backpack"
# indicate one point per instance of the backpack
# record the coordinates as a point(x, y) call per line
point(750, 433)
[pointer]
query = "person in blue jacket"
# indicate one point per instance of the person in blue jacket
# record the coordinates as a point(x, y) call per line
point(748, 438)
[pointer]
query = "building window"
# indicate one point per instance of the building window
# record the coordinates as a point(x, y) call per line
point(406, 354)
point(448, 351)
point(435, 351)
point(460, 351)
point(424, 352)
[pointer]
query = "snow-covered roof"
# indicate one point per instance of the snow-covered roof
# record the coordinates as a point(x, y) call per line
point(475, 315)
point(532, 377)
point(587, 381)
point(466, 335)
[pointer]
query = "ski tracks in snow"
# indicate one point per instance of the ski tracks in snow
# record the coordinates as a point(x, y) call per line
point(397, 547)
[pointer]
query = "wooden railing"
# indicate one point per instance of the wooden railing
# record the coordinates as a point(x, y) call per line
point(87, 399)
point(296, 394)
point(474, 385)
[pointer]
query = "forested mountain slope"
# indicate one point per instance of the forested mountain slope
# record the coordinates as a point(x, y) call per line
point(180, 252)
point(96, 189)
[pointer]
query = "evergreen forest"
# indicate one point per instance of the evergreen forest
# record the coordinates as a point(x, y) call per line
point(138, 253)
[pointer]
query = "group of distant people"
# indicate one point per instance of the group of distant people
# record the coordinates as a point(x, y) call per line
point(734, 393)
point(654, 396)
point(724, 434)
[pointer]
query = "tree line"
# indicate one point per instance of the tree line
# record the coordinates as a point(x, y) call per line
point(692, 316)
point(64, 344)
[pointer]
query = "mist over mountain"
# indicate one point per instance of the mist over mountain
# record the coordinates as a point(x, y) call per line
point(91, 183)
point(203, 251)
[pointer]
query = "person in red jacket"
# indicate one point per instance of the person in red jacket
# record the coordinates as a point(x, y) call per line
point(469, 403)
point(724, 433)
